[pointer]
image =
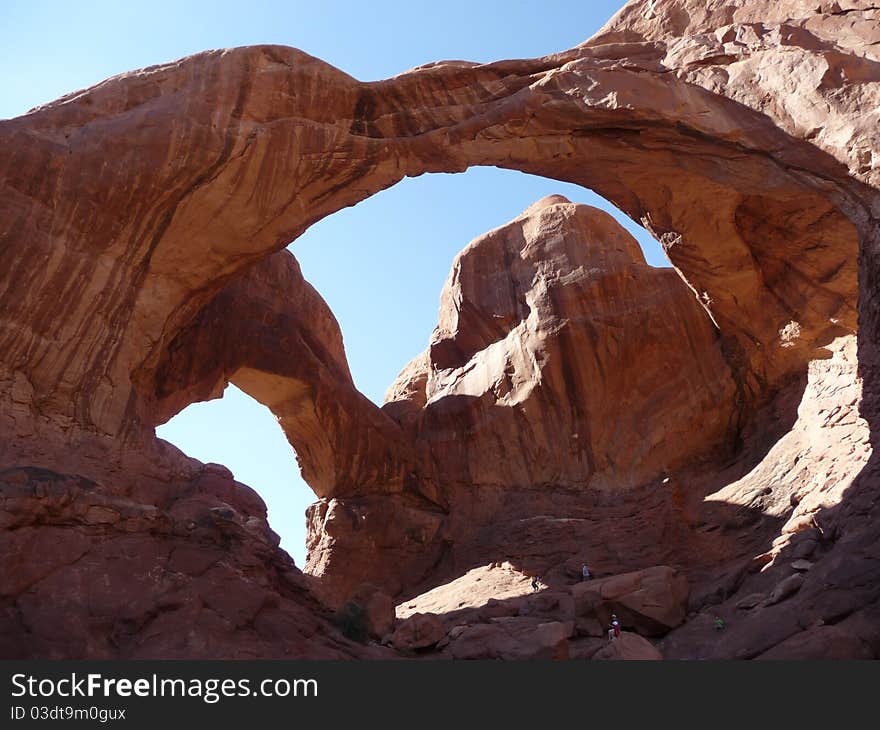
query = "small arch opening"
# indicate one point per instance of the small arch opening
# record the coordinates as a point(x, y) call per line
point(245, 437)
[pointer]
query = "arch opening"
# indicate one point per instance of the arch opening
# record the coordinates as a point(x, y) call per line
point(242, 434)
point(772, 318)
point(207, 240)
point(429, 204)
point(381, 265)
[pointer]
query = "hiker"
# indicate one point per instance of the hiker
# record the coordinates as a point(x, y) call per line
point(615, 626)
point(535, 584)
point(585, 572)
point(719, 623)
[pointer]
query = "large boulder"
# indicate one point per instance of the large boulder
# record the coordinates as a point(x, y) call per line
point(628, 646)
point(785, 588)
point(419, 631)
point(650, 601)
point(378, 609)
point(511, 638)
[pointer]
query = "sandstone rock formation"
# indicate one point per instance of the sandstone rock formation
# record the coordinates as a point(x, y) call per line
point(142, 228)
point(302, 375)
point(651, 601)
point(419, 631)
point(562, 362)
point(628, 647)
point(511, 638)
point(572, 362)
point(378, 608)
point(195, 572)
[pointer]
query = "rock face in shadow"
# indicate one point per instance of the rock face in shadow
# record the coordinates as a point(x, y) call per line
point(142, 228)
point(628, 647)
point(187, 569)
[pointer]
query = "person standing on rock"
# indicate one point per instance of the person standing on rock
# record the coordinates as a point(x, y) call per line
point(585, 572)
point(615, 626)
point(535, 584)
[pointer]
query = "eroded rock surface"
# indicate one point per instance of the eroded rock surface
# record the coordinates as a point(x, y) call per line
point(562, 363)
point(101, 571)
point(494, 612)
point(142, 223)
point(651, 601)
point(572, 362)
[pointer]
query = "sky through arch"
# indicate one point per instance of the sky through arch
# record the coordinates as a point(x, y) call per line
point(381, 264)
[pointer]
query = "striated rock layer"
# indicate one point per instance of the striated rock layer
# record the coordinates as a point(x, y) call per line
point(573, 403)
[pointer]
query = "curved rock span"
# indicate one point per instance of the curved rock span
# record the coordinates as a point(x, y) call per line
point(573, 404)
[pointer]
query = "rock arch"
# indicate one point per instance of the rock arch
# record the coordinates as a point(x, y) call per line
point(135, 211)
point(222, 158)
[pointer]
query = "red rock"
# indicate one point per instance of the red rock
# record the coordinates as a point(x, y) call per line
point(590, 626)
point(586, 648)
point(419, 631)
point(785, 588)
point(750, 601)
point(378, 608)
point(494, 584)
point(301, 375)
point(577, 404)
point(55, 546)
point(628, 646)
point(651, 601)
point(162, 591)
point(512, 638)
point(823, 642)
point(573, 301)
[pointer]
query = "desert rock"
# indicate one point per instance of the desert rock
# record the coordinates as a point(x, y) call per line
point(651, 601)
point(628, 647)
point(143, 222)
point(419, 631)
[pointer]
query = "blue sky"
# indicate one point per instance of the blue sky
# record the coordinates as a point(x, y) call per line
point(381, 264)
